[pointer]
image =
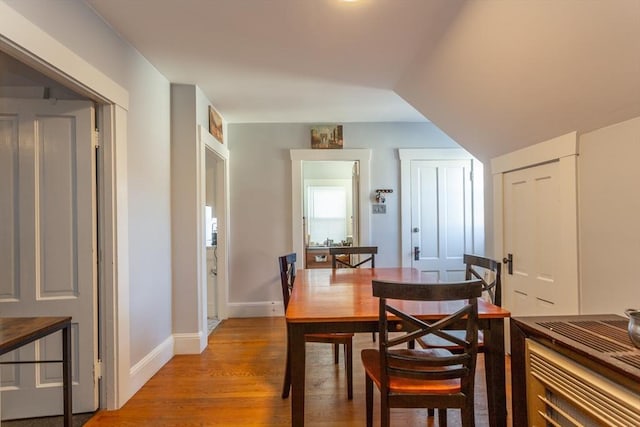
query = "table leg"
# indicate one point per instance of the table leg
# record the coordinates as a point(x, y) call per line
point(66, 376)
point(297, 349)
point(495, 373)
point(518, 376)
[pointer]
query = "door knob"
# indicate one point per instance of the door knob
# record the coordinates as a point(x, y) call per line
point(508, 261)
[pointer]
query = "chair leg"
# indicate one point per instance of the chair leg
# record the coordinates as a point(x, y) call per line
point(385, 412)
point(442, 417)
point(468, 419)
point(286, 386)
point(348, 361)
point(467, 413)
point(373, 335)
point(431, 412)
point(336, 353)
point(369, 400)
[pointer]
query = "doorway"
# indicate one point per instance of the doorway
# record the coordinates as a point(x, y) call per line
point(360, 193)
point(213, 202)
point(330, 203)
point(31, 47)
point(211, 240)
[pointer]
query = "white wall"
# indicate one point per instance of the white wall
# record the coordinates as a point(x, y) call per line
point(189, 109)
point(184, 182)
point(261, 199)
point(609, 207)
point(73, 24)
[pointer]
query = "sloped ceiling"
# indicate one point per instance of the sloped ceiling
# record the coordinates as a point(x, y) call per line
point(495, 75)
point(508, 74)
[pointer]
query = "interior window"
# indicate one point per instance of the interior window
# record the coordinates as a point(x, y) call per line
point(327, 214)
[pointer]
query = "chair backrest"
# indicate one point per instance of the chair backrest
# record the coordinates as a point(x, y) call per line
point(488, 271)
point(287, 276)
point(337, 261)
point(430, 364)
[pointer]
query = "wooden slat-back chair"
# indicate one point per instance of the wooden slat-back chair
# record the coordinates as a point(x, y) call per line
point(423, 378)
point(337, 261)
point(287, 279)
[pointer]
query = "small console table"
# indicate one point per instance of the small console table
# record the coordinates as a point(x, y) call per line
point(16, 332)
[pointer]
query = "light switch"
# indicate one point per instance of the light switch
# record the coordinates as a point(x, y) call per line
point(379, 208)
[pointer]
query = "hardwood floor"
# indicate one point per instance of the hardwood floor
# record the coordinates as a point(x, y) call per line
point(237, 381)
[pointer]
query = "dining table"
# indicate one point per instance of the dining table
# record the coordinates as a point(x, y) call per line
point(341, 300)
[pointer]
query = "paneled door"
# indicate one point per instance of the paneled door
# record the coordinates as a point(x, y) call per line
point(540, 275)
point(48, 262)
point(441, 217)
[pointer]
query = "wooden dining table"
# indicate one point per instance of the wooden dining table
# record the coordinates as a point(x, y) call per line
point(341, 300)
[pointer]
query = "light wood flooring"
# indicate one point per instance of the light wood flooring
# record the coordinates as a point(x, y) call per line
point(237, 381)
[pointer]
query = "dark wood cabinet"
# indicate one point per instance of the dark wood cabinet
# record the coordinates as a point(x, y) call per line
point(319, 257)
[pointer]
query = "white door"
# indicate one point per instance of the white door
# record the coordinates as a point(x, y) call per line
point(540, 280)
point(48, 248)
point(441, 217)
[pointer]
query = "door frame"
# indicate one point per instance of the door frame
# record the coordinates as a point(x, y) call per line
point(360, 155)
point(28, 43)
point(406, 157)
point(563, 149)
point(221, 153)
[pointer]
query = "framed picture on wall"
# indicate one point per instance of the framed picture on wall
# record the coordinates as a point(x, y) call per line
point(215, 124)
point(326, 136)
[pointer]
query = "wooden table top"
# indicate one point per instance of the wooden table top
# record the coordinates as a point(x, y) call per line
point(345, 294)
point(17, 331)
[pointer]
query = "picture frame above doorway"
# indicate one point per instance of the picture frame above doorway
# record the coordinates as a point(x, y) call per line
point(215, 124)
point(326, 136)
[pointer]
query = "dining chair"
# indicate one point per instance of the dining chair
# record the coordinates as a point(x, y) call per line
point(287, 279)
point(488, 272)
point(342, 256)
point(423, 378)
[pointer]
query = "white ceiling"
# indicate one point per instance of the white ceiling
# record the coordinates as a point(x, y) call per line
point(285, 60)
point(495, 75)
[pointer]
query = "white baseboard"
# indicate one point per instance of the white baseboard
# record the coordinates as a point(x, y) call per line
point(255, 309)
point(142, 371)
point(189, 343)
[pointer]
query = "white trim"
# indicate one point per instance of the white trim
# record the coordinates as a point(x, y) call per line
point(115, 263)
point(120, 288)
point(189, 343)
point(38, 49)
point(220, 149)
point(256, 309)
point(208, 142)
point(47, 54)
point(434, 154)
point(147, 367)
point(553, 149)
point(363, 157)
point(406, 157)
